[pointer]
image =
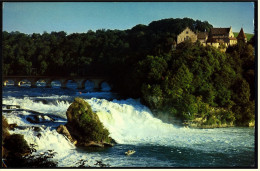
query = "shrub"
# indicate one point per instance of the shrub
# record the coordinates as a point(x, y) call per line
point(83, 120)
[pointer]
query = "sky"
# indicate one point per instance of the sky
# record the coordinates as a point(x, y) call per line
point(79, 17)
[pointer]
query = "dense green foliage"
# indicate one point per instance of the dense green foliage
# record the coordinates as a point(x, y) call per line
point(81, 119)
point(103, 52)
point(189, 82)
point(200, 82)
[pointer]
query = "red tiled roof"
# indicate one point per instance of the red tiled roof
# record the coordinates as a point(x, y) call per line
point(217, 31)
point(241, 34)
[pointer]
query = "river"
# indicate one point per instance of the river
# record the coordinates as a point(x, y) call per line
point(132, 125)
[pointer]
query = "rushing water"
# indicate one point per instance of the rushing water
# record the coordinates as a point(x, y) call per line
point(132, 125)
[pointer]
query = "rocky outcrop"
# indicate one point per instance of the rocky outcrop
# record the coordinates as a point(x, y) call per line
point(17, 145)
point(12, 126)
point(5, 134)
point(36, 118)
point(14, 144)
point(5, 127)
point(64, 131)
point(84, 126)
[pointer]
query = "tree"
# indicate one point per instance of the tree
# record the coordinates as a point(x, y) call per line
point(189, 81)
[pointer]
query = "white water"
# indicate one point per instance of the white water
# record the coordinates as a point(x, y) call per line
point(128, 121)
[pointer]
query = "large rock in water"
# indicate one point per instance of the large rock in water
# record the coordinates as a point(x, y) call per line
point(85, 126)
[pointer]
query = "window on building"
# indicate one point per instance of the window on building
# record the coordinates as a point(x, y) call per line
point(187, 32)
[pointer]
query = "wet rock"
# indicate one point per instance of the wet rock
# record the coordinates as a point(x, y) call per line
point(13, 107)
point(108, 144)
point(47, 118)
point(5, 127)
point(33, 119)
point(112, 141)
point(43, 101)
point(39, 119)
point(13, 146)
point(39, 135)
point(93, 144)
point(4, 152)
point(36, 129)
point(64, 131)
point(5, 134)
point(12, 126)
point(16, 144)
point(7, 111)
point(23, 127)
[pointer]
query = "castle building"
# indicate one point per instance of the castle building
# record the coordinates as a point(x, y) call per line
point(202, 37)
point(216, 37)
point(186, 34)
point(241, 36)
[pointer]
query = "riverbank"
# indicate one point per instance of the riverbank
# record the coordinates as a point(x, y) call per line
point(199, 123)
point(214, 120)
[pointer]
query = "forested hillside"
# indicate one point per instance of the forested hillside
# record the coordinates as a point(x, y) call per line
point(92, 52)
point(188, 82)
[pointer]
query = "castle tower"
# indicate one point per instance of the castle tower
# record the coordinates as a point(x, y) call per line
point(241, 36)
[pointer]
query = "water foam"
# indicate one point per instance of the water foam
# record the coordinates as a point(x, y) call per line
point(130, 122)
point(58, 108)
point(66, 153)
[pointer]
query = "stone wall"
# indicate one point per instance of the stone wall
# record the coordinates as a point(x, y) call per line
point(232, 42)
point(186, 34)
point(231, 34)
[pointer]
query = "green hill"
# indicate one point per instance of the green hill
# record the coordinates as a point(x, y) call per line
point(248, 35)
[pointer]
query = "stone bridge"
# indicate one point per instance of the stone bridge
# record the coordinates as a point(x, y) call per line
point(48, 80)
